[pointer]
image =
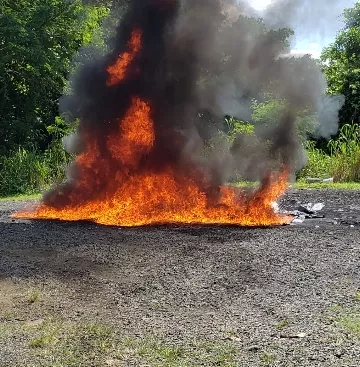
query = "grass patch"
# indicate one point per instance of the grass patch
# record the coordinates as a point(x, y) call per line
point(343, 162)
point(54, 342)
point(283, 324)
point(348, 318)
point(301, 184)
point(267, 359)
point(351, 323)
point(21, 197)
point(33, 296)
point(30, 172)
point(329, 186)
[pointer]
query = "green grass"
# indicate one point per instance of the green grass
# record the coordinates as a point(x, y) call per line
point(56, 342)
point(332, 186)
point(28, 172)
point(33, 296)
point(267, 359)
point(301, 184)
point(351, 323)
point(347, 319)
point(343, 162)
point(283, 324)
point(21, 197)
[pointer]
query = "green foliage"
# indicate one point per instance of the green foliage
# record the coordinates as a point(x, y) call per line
point(56, 342)
point(38, 39)
point(346, 154)
point(27, 171)
point(343, 162)
point(268, 112)
point(237, 127)
point(33, 296)
point(341, 64)
point(319, 163)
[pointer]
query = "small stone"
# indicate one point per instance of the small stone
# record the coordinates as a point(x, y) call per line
point(254, 348)
point(339, 353)
point(310, 180)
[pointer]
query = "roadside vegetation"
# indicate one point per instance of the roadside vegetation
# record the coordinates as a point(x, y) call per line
point(57, 342)
point(45, 37)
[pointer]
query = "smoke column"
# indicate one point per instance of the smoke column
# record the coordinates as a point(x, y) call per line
point(198, 61)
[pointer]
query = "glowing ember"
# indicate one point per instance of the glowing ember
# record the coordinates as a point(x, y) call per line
point(117, 183)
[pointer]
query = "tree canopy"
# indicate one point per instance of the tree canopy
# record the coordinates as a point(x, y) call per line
point(341, 64)
point(38, 39)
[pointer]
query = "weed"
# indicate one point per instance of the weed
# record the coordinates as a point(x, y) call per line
point(343, 162)
point(345, 152)
point(282, 324)
point(319, 163)
point(351, 323)
point(267, 359)
point(28, 171)
point(34, 296)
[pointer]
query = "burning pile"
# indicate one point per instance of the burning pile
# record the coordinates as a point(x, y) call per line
point(142, 133)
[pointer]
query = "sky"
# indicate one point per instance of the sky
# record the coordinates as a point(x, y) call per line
point(314, 42)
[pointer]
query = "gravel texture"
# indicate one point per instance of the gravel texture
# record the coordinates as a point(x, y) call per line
point(272, 291)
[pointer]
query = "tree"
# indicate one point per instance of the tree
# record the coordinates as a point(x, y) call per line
point(341, 64)
point(38, 39)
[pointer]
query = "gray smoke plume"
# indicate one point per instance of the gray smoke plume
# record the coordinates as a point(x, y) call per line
point(241, 58)
point(308, 18)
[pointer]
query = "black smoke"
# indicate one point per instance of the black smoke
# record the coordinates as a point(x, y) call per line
point(200, 60)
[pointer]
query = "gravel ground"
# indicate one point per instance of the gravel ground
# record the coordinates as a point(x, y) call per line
point(279, 295)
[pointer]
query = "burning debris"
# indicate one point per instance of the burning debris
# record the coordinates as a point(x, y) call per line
point(143, 126)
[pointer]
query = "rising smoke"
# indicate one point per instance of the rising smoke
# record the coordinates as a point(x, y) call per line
point(201, 60)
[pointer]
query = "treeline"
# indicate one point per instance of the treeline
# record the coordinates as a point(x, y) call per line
point(39, 41)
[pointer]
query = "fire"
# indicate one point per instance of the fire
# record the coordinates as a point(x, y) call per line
point(136, 134)
point(124, 189)
point(118, 70)
point(153, 198)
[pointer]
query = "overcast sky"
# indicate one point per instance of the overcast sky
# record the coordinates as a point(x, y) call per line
point(313, 42)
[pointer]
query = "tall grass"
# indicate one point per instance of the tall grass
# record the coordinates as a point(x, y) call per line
point(346, 154)
point(319, 164)
point(343, 162)
point(28, 171)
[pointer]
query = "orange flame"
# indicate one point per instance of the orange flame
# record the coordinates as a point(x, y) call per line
point(136, 135)
point(133, 195)
point(118, 70)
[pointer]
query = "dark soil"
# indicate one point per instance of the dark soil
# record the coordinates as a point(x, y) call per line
point(275, 293)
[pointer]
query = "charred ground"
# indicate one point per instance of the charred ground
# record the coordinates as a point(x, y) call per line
point(283, 296)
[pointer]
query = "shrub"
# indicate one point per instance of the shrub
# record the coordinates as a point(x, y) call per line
point(345, 153)
point(28, 171)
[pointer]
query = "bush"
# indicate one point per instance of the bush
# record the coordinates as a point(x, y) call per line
point(319, 163)
point(28, 171)
point(343, 162)
point(345, 152)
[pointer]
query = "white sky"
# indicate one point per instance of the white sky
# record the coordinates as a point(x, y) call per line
point(315, 44)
